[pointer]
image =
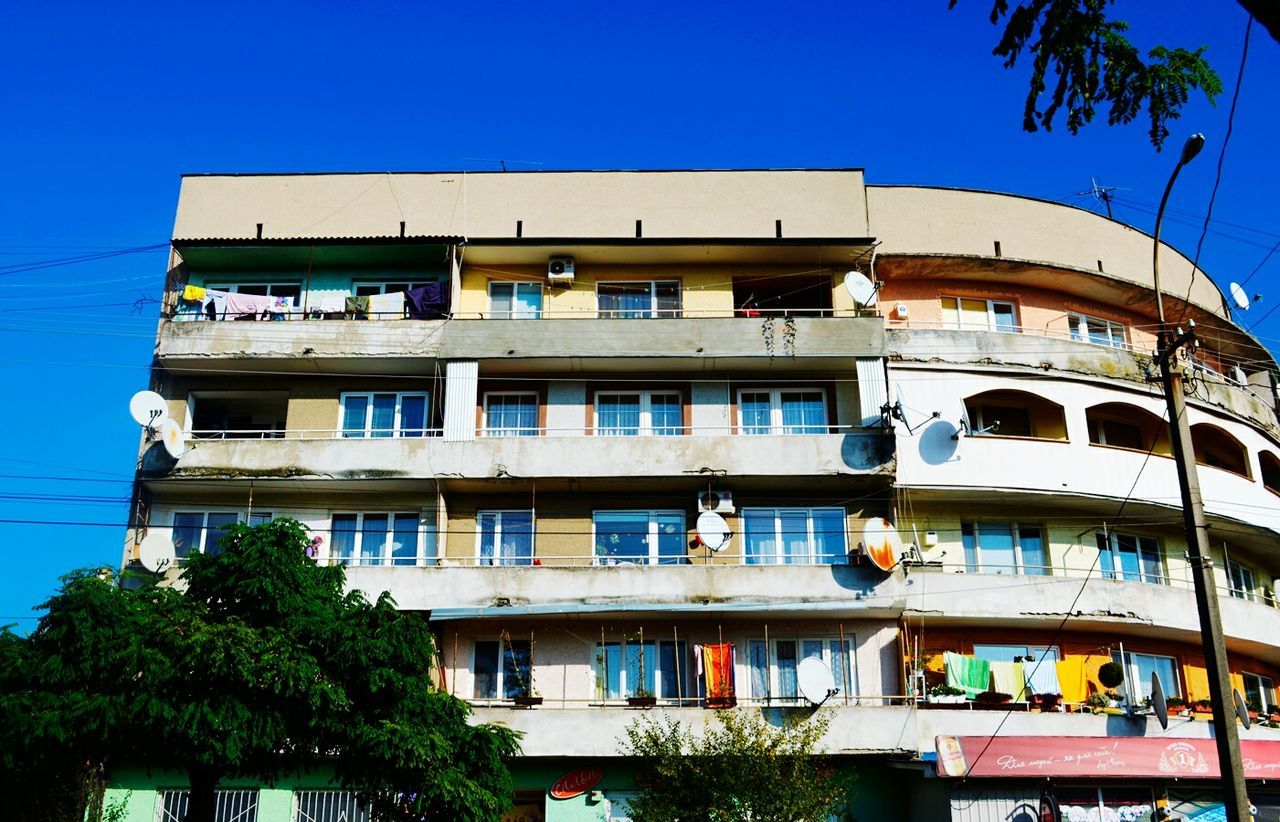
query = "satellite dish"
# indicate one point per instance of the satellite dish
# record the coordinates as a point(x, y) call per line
point(156, 552)
point(1242, 710)
point(713, 530)
point(881, 543)
point(1158, 703)
point(814, 680)
point(174, 438)
point(148, 408)
point(1239, 296)
point(862, 290)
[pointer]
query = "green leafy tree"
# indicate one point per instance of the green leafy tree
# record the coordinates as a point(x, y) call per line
point(260, 665)
point(1081, 59)
point(740, 768)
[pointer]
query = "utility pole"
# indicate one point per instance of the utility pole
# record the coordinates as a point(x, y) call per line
point(1230, 764)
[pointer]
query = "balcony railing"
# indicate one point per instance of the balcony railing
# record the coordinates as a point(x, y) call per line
point(620, 432)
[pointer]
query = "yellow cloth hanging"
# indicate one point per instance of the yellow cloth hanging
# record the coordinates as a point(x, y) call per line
point(1009, 679)
point(1071, 678)
point(193, 292)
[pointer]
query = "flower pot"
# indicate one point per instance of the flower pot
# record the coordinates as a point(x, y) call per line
point(526, 701)
point(946, 699)
point(642, 701)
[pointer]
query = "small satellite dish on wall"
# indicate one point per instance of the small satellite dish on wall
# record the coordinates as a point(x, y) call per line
point(1242, 710)
point(174, 438)
point(149, 409)
point(1239, 296)
point(814, 680)
point(1158, 703)
point(862, 290)
point(713, 531)
point(881, 543)
point(156, 553)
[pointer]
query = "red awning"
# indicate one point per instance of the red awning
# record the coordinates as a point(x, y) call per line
point(1096, 757)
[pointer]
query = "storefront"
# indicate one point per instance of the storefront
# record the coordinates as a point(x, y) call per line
point(1098, 779)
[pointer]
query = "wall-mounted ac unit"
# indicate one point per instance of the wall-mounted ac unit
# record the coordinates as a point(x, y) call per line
point(560, 270)
point(720, 502)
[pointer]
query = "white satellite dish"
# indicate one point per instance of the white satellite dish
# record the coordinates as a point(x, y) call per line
point(862, 290)
point(174, 438)
point(882, 544)
point(156, 553)
point(814, 680)
point(148, 408)
point(713, 530)
point(1239, 296)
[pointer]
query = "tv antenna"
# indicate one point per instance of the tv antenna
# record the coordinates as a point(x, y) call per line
point(501, 163)
point(1100, 193)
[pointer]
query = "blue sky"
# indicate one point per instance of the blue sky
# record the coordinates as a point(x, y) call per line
point(106, 104)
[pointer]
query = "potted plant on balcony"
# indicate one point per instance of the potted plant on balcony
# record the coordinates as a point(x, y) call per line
point(1202, 707)
point(1177, 706)
point(1096, 702)
point(1111, 675)
point(641, 697)
point(1049, 703)
point(992, 699)
point(1254, 707)
point(946, 695)
point(526, 695)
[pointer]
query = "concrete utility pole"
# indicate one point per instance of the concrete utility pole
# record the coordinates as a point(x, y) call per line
point(1235, 797)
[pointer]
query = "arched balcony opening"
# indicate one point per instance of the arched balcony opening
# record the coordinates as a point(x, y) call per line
point(1005, 413)
point(1121, 425)
point(1216, 448)
point(1270, 471)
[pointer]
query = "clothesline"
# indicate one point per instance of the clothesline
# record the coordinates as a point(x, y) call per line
point(428, 302)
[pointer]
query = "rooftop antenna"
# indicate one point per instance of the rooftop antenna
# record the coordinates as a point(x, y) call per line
point(1100, 193)
point(501, 163)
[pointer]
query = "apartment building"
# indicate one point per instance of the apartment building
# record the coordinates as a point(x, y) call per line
point(509, 398)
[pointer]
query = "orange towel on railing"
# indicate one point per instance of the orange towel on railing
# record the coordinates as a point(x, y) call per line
point(716, 664)
point(1075, 688)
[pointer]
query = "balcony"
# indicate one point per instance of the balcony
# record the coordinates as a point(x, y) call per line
point(333, 345)
point(323, 455)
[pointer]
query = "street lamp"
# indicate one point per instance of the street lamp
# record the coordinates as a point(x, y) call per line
point(1226, 737)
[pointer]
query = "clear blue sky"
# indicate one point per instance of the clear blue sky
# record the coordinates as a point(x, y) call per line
point(104, 105)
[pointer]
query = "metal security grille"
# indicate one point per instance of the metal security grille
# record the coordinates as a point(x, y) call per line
point(329, 806)
point(233, 806)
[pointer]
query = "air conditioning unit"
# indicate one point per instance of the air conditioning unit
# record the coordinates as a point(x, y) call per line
point(721, 502)
point(560, 270)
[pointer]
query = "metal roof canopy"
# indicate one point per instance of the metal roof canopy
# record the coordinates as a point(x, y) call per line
point(240, 254)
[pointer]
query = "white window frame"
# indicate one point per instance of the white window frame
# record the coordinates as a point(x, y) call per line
point(1015, 528)
point(1132, 676)
point(384, 558)
point(653, 514)
point(685, 676)
point(500, 681)
point(850, 661)
point(1266, 687)
point(1240, 588)
point(231, 804)
point(382, 285)
point(331, 801)
point(991, 314)
point(242, 516)
point(645, 428)
point(810, 558)
point(776, 426)
point(1037, 651)
point(1118, 576)
point(366, 432)
point(1116, 332)
point(489, 431)
point(652, 311)
point(513, 314)
point(496, 560)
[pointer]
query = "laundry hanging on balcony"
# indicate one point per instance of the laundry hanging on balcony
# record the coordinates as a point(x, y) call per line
point(428, 302)
point(969, 674)
point(387, 306)
point(1042, 676)
point(193, 293)
point(1008, 678)
point(248, 305)
point(357, 308)
point(1072, 680)
point(716, 666)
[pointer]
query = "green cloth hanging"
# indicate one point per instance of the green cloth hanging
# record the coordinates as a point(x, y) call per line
point(971, 675)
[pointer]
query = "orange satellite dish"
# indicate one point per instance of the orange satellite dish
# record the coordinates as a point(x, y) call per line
point(881, 543)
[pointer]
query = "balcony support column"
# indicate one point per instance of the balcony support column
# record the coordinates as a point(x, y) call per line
point(461, 387)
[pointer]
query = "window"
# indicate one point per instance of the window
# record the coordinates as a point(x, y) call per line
point(1129, 804)
point(1217, 448)
point(782, 411)
point(1004, 548)
point(502, 668)
point(369, 289)
point(633, 300)
point(773, 666)
point(1138, 669)
point(384, 415)
point(794, 536)
point(1007, 413)
point(328, 806)
point(1260, 691)
point(969, 314)
point(515, 301)
point(667, 670)
point(376, 539)
point(1120, 425)
point(1132, 558)
point(290, 290)
point(255, 415)
point(1097, 331)
point(230, 806)
point(1015, 653)
point(511, 414)
point(504, 537)
point(1270, 464)
point(200, 531)
point(639, 537)
point(1241, 578)
point(636, 413)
